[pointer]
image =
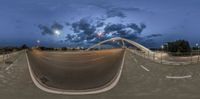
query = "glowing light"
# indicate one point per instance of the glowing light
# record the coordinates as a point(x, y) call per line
point(38, 41)
point(57, 32)
point(99, 34)
point(162, 46)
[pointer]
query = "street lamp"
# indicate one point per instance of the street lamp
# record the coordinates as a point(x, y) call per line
point(167, 45)
point(38, 42)
point(198, 47)
point(198, 53)
point(99, 35)
point(123, 44)
point(162, 47)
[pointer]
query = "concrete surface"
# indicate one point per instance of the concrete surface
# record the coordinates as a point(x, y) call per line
point(73, 72)
point(135, 82)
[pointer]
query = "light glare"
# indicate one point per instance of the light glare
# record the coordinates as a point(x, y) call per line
point(57, 32)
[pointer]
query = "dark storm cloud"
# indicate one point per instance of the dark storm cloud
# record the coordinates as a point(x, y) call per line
point(83, 26)
point(50, 30)
point(45, 29)
point(121, 28)
point(57, 26)
point(99, 21)
point(130, 9)
point(137, 28)
point(130, 31)
point(67, 24)
point(153, 35)
point(99, 24)
point(83, 30)
point(114, 27)
point(86, 31)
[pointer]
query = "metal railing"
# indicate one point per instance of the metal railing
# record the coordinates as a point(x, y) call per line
point(169, 57)
point(5, 56)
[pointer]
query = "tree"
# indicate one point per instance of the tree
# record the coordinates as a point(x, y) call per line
point(180, 46)
point(24, 46)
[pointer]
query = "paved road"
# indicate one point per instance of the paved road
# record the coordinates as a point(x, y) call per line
point(76, 71)
point(136, 82)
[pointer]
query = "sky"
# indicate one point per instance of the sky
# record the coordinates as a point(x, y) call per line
point(57, 23)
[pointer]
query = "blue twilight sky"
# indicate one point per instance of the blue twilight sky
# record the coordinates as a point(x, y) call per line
point(85, 22)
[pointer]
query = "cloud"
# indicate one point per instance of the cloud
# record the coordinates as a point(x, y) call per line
point(86, 31)
point(130, 9)
point(67, 23)
point(115, 13)
point(57, 26)
point(131, 31)
point(99, 24)
point(83, 26)
point(153, 35)
point(45, 30)
point(114, 27)
point(149, 40)
point(109, 7)
point(119, 11)
point(137, 28)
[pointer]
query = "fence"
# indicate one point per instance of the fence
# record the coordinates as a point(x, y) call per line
point(169, 57)
point(4, 56)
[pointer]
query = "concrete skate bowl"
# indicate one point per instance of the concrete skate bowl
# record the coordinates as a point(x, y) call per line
point(85, 72)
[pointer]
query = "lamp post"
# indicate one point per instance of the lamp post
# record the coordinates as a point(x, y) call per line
point(167, 45)
point(162, 47)
point(38, 42)
point(123, 44)
point(99, 35)
point(198, 53)
point(198, 49)
point(4, 53)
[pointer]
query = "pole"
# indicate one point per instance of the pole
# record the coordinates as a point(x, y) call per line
point(161, 57)
point(191, 57)
point(197, 46)
point(162, 49)
point(123, 44)
point(3, 58)
point(198, 52)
